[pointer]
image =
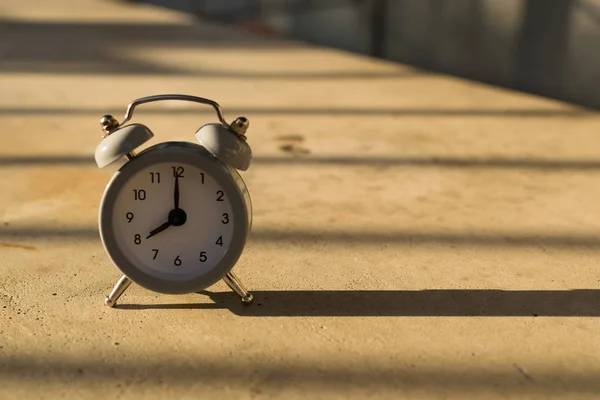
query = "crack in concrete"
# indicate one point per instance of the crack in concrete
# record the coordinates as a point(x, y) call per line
point(527, 377)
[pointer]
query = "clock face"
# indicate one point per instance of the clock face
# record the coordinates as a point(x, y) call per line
point(173, 218)
point(172, 222)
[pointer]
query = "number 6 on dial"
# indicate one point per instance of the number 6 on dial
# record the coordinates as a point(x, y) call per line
point(175, 217)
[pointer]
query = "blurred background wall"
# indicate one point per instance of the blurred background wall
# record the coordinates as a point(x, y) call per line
point(547, 47)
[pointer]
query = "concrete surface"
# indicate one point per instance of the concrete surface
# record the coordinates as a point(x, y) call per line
point(415, 236)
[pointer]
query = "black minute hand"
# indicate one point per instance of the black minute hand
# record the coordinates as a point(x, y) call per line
point(176, 194)
point(159, 229)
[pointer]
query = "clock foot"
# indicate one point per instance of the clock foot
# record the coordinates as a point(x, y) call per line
point(122, 285)
point(234, 283)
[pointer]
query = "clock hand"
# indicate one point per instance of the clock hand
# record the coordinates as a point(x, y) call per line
point(176, 194)
point(159, 229)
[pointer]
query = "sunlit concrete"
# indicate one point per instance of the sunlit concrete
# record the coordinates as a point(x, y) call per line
point(415, 235)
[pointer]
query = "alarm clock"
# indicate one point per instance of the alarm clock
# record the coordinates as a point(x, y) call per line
point(175, 217)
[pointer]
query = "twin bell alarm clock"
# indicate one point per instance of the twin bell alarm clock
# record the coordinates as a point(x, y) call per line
point(175, 217)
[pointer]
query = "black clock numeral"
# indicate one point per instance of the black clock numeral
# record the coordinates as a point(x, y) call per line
point(129, 217)
point(139, 194)
point(202, 176)
point(155, 177)
point(155, 253)
point(202, 256)
point(220, 195)
point(177, 172)
point(177, 261)
point(225, 219)
point(219, 241)
point(137, 239)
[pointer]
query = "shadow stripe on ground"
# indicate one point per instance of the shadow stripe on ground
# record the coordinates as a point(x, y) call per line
point(405, 375)
point(396, 237)
point(315, 111)
point(530, 163)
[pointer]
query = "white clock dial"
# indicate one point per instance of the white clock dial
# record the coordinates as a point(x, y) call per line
point(197, 231)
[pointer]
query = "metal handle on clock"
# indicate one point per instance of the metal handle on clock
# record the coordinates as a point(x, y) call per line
point(182, 97)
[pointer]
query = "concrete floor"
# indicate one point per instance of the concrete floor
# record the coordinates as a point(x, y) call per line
point(414, 235)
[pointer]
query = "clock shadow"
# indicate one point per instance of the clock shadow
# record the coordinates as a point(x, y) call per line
point(401, 303)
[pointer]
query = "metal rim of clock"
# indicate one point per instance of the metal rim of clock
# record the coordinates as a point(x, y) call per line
point(188, 153)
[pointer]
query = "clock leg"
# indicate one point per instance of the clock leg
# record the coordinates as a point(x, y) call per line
point(234, 283)
point(122, 285)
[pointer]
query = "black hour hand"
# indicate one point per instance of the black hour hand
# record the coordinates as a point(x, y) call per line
point(159, 229)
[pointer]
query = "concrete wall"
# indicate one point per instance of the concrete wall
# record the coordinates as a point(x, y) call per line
point(546, 47)
point(549, 47)
point(470, 38)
